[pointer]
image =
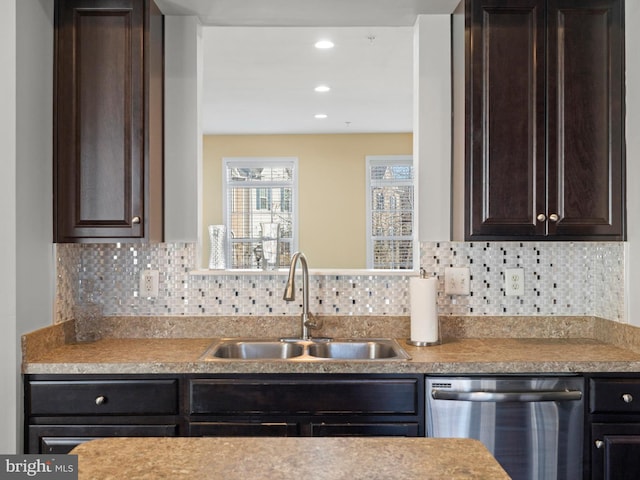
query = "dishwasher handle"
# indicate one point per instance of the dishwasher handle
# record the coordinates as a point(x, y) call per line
point(530, 396)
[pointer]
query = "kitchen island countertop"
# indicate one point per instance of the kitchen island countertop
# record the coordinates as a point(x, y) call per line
point(286, 458)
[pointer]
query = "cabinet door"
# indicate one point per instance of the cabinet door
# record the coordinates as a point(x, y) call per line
point(106, 52)
point(57, 439)
point(545, 153)
point(364, 429)
point(585, 65)
point(615, 451)
point(243, 429)
point(505, 89)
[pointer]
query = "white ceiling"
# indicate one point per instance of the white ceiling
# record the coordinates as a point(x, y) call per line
point(262, 80)
point(278, 13)
point(260, 66)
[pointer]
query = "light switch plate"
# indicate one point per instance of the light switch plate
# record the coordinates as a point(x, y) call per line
point(514, 281)
point(457, 280)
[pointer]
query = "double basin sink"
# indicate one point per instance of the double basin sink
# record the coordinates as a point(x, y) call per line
point(299, 349)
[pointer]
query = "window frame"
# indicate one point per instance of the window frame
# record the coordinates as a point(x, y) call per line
point(259, 162)
point(377, 160)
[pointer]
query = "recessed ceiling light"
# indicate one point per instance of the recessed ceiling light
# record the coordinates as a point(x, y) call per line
point(320, 115)
point(322, 88)
point(324, 44)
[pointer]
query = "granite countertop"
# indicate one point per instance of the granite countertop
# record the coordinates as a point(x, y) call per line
point(286, 458)
point(465, 355)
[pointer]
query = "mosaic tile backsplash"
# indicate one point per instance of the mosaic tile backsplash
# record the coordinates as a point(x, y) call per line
point(561, 278)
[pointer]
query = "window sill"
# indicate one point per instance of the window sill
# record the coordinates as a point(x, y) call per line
point(338, 272)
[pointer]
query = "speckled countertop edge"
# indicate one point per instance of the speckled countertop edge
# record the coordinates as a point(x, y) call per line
point(319, 458)
point(467, 355)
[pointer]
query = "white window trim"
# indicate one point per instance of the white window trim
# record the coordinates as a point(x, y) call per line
point(252, 161)
point(389, 160)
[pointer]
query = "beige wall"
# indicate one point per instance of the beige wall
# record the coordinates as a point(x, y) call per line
point(332, 202)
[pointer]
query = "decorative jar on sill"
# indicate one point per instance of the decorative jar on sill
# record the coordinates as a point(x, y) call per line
point(217, 240)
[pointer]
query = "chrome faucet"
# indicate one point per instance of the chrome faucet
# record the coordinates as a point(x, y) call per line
point(290, 291)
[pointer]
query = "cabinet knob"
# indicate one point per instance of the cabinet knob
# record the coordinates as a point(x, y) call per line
point(599, 443)
point(627, 398)
point(554, 217)
point(135, 220)
point(100, 400)
point(541, 217)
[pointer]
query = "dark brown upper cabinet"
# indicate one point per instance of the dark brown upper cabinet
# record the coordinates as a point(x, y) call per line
point(545, 155)
point(108, 121)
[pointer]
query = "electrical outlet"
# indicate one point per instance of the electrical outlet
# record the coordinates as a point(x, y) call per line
point(514, 281)
point(456, 281)
point(149, 283)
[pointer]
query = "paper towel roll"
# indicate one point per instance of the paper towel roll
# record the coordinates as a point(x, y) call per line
point(423, 295)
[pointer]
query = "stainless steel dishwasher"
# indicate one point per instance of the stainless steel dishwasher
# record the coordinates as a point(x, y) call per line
point(532, 425)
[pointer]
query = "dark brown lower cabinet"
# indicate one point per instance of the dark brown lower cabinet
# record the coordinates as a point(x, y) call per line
point(614, 419)
point(307, 405)
point(62, 411)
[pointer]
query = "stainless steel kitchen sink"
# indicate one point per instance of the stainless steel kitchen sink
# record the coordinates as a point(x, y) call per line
point(256, 349)
point(355, 349)
point(297, 349)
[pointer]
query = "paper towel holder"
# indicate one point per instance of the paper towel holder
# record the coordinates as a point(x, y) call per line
point(416, 343)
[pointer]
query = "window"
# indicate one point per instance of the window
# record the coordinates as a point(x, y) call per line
point(390, 216)
point(255, 191)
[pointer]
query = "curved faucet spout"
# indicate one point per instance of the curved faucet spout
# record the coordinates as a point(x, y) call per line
point(290, 289)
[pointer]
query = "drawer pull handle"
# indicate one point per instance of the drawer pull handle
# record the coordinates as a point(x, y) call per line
point(627, 398)
point(101, 399)
point(599, 443)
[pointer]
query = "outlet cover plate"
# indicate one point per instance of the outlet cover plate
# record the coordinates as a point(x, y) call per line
point(149, 283)
point(514, 281)
point(457, 281)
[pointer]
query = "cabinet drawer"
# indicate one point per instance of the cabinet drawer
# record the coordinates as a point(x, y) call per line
point(305, 396)
point(123, 397)
point(614, 395)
